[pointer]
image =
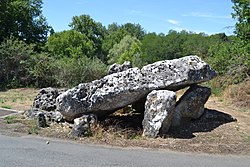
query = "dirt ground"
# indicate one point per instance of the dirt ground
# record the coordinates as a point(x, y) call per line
point(228, 133)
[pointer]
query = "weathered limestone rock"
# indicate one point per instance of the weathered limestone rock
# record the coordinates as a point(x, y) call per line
point(54, 116)
point(159, 110)
point(191, 104)
point(178, 73)
point(82, 127)
point(46, 99)
point(41, 121)
point(51, 116)
point(104, 96)
point(114, 68)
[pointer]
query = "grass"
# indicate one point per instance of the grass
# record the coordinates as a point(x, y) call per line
point(239, 95)
point(29, 125)
point(248, 138)
point(6, 106)
point(18, 99)
point(10, 119)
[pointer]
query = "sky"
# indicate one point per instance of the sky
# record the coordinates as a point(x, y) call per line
point(160, 16)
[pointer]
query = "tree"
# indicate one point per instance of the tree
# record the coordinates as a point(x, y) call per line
point(152, 49)
point(242, 14)
point(93, 30)
point(134, 30)
point(23, 19)
point(115, 33)
point(13, 71)
point(70, 43)
point(114, 36)
point(127, 50)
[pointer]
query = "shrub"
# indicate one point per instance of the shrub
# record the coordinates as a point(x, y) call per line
point(13, 72)
point(72, 71)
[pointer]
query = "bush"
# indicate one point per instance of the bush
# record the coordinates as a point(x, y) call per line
point(42, 69)
point(12, 55)
point(231, 61)
point(72, 71)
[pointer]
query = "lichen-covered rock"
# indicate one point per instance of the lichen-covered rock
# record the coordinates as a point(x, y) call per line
point(159, 109)
point(50, 116)
point(104, 96)
point(82, 127)
point(178, 73)
point(117, 90)
point(191, 104)
point(41, 120)
point(46, 99)
point(114, 68)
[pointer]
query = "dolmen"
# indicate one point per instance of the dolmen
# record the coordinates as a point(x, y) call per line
point(154, 84)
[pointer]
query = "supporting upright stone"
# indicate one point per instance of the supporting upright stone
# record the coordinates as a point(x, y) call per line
point(82, 125)
point(191, 104)
point(159, 109)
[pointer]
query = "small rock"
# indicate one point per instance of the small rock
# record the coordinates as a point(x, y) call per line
point(41, 120)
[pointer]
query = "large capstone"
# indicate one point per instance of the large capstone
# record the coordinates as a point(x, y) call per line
point(191, 104)
point(159, 110)
point(104, 96)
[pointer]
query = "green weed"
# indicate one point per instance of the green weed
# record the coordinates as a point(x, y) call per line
point(6, 106)
point(10, 119)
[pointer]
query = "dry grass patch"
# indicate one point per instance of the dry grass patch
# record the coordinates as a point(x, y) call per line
point(239, 95)
point(17, 99)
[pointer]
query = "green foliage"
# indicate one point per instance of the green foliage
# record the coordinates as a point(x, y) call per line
point(6, 106)
point(115, 33)
point(231, 61)
point(126, 50)
point(134, 30)
point(10, 119)
point(13, 53)
point(71, 44)
point(42, 69)
point(173, 45)
point(23, 19)
point(94, 31)
point(152, 47)
point(242, 14)
point(72, 71)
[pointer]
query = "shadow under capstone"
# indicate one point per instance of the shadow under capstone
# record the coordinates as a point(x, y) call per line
point(210, 120)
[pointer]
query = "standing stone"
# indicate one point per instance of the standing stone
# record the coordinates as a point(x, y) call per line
point(114, 68)
point(191, 104)
point(82, 125)
point(41, 120)
point(159, 110)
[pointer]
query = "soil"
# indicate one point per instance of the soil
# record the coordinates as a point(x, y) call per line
point(228, 133)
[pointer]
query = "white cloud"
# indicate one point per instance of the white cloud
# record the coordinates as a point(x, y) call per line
point(206, 15)
point(174, 22)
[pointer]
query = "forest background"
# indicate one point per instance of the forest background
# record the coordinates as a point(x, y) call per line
point(33, 55)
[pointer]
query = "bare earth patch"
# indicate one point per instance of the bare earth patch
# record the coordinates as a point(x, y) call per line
point(210, 136)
